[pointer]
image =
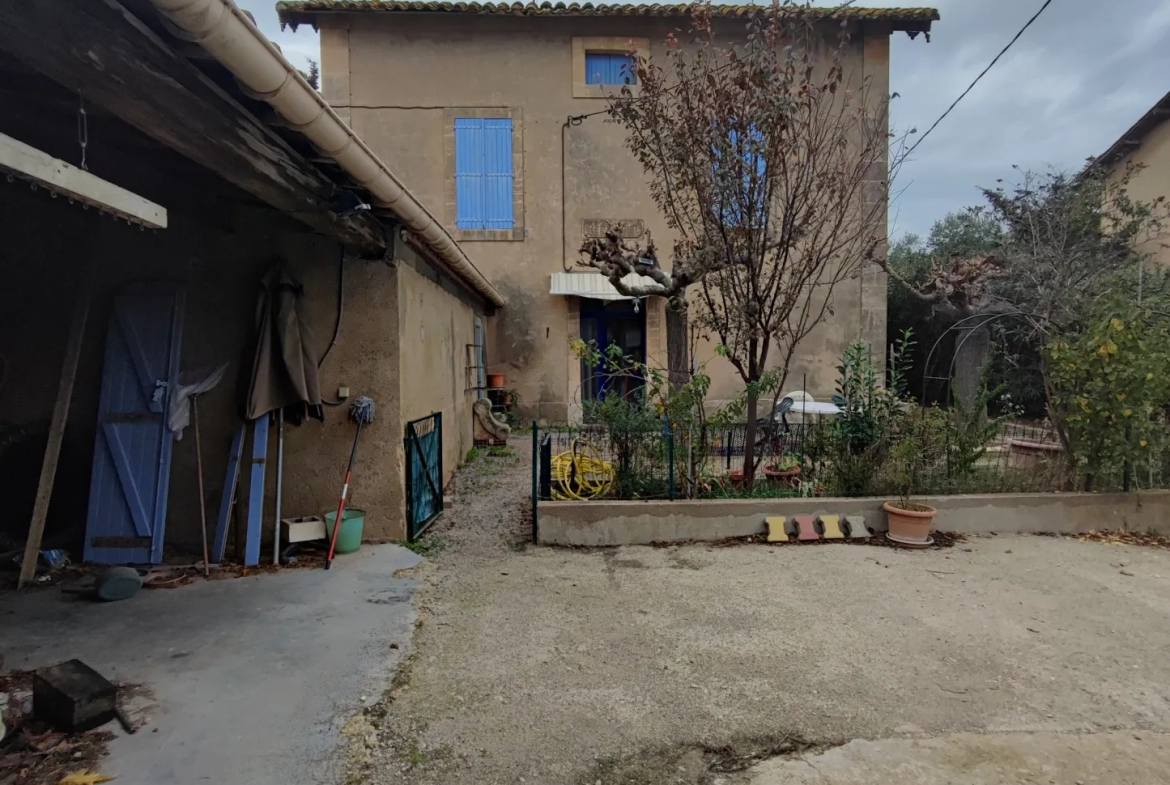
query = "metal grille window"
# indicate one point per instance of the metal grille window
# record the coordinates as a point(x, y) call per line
point(483, 173)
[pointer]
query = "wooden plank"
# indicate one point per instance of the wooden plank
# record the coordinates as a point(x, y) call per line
point(231, 483)
point(125, 473)
point(256, 491)
point(100, 50)
point(36, 528)
point(67, 179)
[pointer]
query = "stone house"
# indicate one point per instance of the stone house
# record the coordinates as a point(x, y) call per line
point(1147, 144)
point(491, 112)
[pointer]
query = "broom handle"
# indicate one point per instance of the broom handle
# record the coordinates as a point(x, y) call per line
point(344, 494)
point(202, 501)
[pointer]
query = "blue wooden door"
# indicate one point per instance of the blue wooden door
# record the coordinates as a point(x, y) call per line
point(132, 450)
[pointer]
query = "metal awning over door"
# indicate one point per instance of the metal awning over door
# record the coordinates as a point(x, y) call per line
point(593, 285)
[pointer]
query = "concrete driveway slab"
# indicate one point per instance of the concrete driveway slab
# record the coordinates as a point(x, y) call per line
point(251, 679)
point(660, 665)
point(1115, 758)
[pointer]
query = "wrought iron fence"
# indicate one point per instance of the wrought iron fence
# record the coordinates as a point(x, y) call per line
point(591, 461)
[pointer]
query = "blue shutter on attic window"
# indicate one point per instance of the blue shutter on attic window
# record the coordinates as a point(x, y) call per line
point(483, 173)
point(604, 68)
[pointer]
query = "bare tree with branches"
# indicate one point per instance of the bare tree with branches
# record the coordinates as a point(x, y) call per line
point(769, 161)
point(1063, 240)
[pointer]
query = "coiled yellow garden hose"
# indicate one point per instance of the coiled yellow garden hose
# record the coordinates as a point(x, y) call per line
point(580, 474)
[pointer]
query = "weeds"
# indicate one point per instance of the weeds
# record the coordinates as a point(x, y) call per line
point(424, 547)
point(501, 452)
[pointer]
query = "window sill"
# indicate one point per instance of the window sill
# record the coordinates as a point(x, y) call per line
point(581, 90)
point(513, 235)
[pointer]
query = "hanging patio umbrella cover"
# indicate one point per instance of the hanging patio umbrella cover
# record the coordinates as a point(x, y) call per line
point(284, 367)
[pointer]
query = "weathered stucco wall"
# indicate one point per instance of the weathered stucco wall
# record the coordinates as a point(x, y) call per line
point(597, 523)
point(219, 249)
point(398, 77)
point(1150, 181)
point(434, 331)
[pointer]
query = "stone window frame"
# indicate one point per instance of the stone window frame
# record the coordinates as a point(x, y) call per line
point(450, 115)
point(605, 44)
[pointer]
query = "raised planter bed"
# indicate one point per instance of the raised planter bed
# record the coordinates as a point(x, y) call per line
point(595, 523)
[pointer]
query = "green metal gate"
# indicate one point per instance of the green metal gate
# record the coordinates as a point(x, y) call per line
point(424, 473)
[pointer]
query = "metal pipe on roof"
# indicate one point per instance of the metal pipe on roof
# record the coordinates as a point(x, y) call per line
point(225, 31)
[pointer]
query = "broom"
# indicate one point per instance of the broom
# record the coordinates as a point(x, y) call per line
point(361, 411)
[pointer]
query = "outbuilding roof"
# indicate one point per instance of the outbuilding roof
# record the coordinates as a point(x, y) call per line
point(1131, 139)
point(294, 12)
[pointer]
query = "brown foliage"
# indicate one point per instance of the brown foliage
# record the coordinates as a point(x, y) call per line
point(767, 155)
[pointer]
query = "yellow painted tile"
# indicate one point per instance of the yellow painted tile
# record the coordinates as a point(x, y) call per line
point(776, 532)
point(832, 526)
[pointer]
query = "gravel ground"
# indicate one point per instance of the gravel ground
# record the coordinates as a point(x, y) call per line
point(687, 664)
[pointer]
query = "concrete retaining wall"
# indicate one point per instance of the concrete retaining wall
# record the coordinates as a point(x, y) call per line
point(633, 523)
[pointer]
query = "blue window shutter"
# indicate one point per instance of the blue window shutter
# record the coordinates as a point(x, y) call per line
point(498, 174)
point(607, 68)
point(483, 173)
point(469, 174)
point(733, 213)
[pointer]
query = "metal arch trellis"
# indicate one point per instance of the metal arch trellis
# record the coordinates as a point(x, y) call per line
point(987, 319)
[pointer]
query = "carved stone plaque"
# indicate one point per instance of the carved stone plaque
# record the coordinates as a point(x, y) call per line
point(628, 228)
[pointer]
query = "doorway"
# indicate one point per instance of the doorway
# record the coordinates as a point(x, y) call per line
point(621, 324)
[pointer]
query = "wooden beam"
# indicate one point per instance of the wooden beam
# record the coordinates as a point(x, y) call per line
point(102, 51)
point(65, 178)
point(36, 528)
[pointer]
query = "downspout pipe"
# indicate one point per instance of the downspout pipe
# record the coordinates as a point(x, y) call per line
point(226, 32)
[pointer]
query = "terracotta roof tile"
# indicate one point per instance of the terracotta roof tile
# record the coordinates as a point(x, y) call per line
point(302, 11)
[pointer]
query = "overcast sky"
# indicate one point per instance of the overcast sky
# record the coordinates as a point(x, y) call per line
point(1076, 80)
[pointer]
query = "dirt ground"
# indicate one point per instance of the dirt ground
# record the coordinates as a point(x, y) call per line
point(704, 664)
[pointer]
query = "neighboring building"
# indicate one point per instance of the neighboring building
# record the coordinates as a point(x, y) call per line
point(237, 181)
point(472, 104)
point(1146, 144)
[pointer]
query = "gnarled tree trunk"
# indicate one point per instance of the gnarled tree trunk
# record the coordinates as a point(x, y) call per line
point(972, 349)
point(678, 360)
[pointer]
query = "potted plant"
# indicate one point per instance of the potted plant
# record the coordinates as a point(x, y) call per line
point(916, 447)
point(785, 473)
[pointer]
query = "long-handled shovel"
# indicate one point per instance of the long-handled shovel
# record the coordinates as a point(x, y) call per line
point(361, 412)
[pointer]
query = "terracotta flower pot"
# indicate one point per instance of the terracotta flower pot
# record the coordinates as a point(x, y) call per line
point(736, 478)
point(911, 526)
point(495, 380)
point(789, 478)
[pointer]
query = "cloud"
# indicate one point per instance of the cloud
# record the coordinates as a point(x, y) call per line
point(298, 47)
point(1082, 74)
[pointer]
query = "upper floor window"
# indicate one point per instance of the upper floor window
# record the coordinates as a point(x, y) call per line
point(483, 173)
point(741, 177)
point(607, 68)
point(604, 65)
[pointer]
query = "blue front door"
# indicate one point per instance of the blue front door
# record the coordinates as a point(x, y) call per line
point(613, 325)
point(132, 451)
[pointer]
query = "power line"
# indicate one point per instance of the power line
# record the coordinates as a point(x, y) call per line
point(983, 73)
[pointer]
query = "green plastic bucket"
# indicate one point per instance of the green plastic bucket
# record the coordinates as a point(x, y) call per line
point(349, 539)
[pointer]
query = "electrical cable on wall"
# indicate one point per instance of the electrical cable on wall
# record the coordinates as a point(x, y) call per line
point(337, 322)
